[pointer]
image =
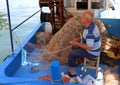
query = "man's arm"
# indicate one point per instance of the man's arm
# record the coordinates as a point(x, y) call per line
point(84, 46)
point(77, 39)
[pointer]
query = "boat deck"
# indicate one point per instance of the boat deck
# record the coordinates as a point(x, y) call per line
point(27, 71)
point(13, 73)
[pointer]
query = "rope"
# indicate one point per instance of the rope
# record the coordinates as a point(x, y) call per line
point(54, 52)
point(45, 51)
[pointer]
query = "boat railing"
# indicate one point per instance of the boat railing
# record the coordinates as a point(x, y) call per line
point(12, 29)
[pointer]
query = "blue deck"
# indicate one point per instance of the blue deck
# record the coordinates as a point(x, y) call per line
point(13, 73)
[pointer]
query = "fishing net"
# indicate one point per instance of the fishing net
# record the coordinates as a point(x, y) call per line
point(50, 47)
point(110, 44)
point(59, 46)
point(71, 30)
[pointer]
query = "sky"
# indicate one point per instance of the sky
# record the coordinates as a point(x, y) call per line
point(17, 4)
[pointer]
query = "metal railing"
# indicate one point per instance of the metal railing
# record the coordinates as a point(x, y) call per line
point(10, 27)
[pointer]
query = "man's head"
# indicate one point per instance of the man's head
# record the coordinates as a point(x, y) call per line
point(87, 17)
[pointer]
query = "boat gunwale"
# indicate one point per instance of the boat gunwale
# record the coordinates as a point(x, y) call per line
point(8, 63)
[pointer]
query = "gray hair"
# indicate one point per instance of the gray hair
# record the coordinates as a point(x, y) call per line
point(89, 15)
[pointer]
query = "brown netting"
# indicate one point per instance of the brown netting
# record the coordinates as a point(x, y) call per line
point(59, 47)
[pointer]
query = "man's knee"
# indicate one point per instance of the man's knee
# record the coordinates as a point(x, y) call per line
point(72, 53)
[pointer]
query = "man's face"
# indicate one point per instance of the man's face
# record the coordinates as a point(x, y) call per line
point(83, 19)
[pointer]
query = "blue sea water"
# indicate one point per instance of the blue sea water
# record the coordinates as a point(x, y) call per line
point(19, 11)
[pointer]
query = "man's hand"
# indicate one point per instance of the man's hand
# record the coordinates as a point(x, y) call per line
point(77, 39)
point(74, 43)
point(84, 46)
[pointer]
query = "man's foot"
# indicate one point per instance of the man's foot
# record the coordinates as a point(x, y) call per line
point(70, 74)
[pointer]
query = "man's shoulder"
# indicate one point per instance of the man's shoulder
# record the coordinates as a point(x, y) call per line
point(96, 30)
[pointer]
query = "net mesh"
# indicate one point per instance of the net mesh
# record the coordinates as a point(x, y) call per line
point(57, 47)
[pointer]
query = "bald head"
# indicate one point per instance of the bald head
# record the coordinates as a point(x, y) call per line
point(87, 17)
